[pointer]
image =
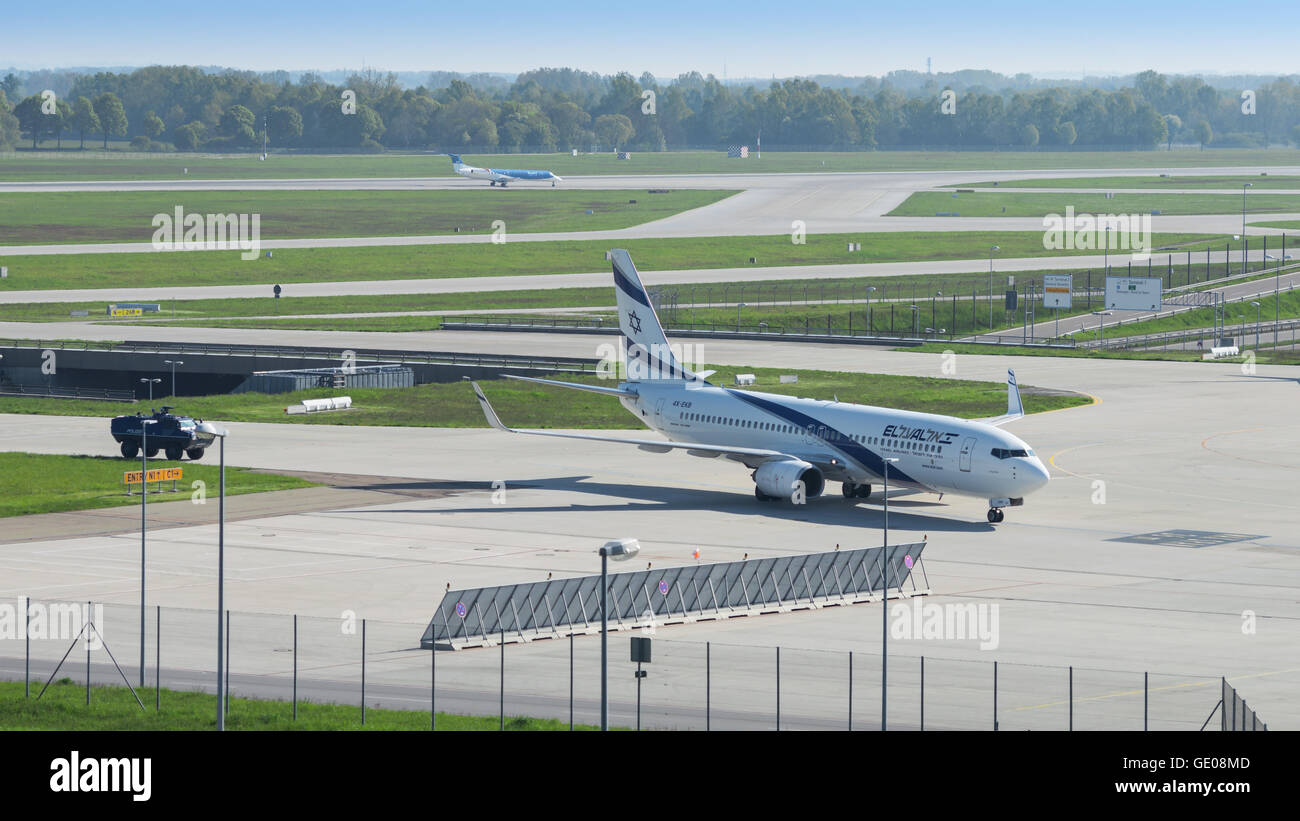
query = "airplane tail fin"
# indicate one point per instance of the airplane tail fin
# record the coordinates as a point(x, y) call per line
point(648, 353)
point(455, 159)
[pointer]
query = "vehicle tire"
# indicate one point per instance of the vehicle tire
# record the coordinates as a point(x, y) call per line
point(174, 454)
point(849, 489)
point(863, 491)
point(194, 453)
point(151, 453)
point(130, 450)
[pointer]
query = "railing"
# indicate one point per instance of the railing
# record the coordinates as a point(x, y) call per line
point(109, 394)
point(555, 363)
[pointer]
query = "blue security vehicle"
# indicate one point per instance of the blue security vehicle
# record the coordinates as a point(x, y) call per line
point(172, 434)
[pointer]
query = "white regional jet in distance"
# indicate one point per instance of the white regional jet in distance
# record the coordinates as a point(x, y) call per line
point(793, 446)
point(500, 176)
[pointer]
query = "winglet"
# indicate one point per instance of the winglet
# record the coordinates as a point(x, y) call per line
point(492, 418)
point(1015, 407)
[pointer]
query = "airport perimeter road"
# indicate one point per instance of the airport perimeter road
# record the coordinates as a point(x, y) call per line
point(1172, 446)
point(600, 279)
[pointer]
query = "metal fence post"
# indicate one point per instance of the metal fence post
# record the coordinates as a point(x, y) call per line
point(27, 648)
point(995, 696)
point(295, 666)
point(503, 678)
point(922, 693)
point(708, 684)
point(225, 706)
point(157, 660)
point(363, 672)
point(1146, 693)
point(1071, 697)
point(850, 691)
point(433, 686)
point(778, 689)
point(87, 655)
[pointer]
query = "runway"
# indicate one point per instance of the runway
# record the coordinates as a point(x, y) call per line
point(767, 204)
point(1186, 446)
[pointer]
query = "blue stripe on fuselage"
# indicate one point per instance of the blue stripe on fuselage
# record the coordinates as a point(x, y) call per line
point(847, 444)
point(523, 174)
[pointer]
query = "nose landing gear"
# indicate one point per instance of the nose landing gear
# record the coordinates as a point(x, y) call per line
point(995, 515)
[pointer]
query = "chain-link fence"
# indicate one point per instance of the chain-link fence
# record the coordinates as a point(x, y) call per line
point(690, 685)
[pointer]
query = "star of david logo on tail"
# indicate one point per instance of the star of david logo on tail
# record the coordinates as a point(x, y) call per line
point(634, 321)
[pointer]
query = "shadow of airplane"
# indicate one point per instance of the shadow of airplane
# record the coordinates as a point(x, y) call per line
point(825, 510)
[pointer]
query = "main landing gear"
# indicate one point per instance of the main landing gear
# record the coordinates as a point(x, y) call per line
point(853, 490)
point(995, 515)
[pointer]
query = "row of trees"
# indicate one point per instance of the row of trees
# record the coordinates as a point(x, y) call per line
point(559, 109)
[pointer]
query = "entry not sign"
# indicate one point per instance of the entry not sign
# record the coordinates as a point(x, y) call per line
point(1058, 290)
point(1133, 293)
point(132, 477)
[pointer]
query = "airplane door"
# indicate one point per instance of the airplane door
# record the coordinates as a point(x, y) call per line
point(967, 447)
point(659, 410)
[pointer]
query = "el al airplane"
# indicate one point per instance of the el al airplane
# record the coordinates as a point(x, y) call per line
point(793, 446)
point(500, 176)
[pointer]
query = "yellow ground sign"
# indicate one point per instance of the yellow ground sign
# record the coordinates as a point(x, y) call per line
point(128, 312)
point(132, 477)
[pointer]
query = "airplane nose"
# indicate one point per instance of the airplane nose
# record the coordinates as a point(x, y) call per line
point(1037, 475)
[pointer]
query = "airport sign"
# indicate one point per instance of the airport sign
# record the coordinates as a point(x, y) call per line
point(1133, 293)
point(1058, 290)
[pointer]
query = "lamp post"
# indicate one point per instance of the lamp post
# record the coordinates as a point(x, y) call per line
point(151, 383)
point(619, 550)
point(991, 250)
point(144, 495)
point(173, 363)
point(1243, 226)
point(1256, 304)
point(884, 587)
point(1103, 315)
point(220, 433)
point(870, 325)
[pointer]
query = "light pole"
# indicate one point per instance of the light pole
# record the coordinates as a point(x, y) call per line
point(915, 320)
point(619, 550)
point(1243, 226)
point(1103, 315)
point(991, 250)
point(870, 288)
point(173, 363)
point(151, 383)
point(144, 495)
point(221, 576)
point(884, 616)
point(1256, 304)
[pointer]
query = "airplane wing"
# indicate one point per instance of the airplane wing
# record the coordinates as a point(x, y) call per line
point(1015, 408)
point(746, 455)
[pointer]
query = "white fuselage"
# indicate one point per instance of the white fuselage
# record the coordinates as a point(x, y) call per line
point(848, 442)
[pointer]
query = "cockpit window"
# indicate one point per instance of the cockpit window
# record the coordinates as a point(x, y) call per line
point(1008, 453)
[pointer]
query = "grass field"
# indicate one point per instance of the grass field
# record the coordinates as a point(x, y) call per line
point(42, 483)
point(302, 312)
point(294, 265)
point(1284, 224)
point(127, 216)
point(122, 165)
point(63, 707)
point(452, 405)
point(1008, 204)
point(1226, 181)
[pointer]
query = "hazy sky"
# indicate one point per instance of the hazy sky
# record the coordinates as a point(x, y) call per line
point(757, 38)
